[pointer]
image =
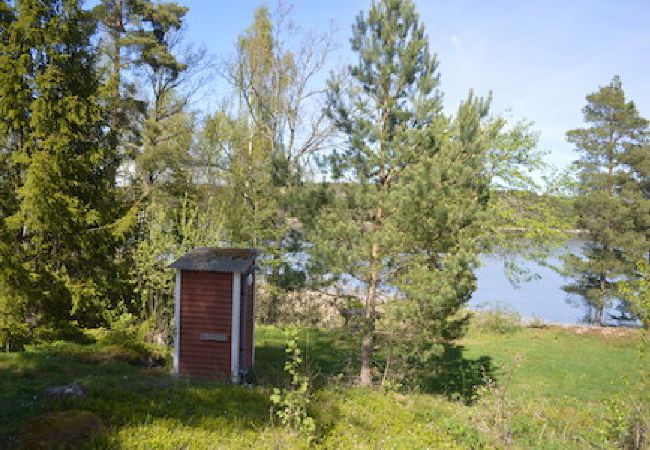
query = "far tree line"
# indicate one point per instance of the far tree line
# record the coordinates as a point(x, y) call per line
point(108, 173)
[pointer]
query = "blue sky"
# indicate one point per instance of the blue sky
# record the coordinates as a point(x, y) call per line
point(539, 58)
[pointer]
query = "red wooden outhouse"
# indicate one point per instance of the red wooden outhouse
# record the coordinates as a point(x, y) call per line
point(214, 313)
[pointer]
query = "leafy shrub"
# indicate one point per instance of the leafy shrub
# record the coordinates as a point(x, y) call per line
point(464, 433)
point(627, 419)
point(500, 411)
point(290, 404)
point(536, 322)
point(127, 338)
point(123, 330)
point(499, 320)
point(14, 335)
point(634, 425)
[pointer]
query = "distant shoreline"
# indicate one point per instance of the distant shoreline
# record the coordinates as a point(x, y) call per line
point(537, 322)
point(573, 231)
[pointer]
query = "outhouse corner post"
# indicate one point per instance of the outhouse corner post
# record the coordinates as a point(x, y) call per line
point(235, 327)
point(177, 320)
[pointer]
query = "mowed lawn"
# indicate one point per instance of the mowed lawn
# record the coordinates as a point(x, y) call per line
point(556, 396)
point(576, 362)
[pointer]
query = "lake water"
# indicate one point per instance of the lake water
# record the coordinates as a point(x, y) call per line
point(542, 298)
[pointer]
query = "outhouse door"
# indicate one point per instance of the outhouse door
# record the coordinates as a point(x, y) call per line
point(205, 324)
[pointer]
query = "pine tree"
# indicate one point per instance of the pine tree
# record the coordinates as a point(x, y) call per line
point(145, 72)
point(406, 226)
point(133, 36)
point(144, 69)
point(637, 184)
point(606, 211)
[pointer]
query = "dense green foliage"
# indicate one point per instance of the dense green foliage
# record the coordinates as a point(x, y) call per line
point(59, 177)
point(612, 205)
point(422, 187)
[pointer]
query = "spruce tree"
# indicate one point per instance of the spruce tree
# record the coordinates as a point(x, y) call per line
point(14, 125)
point(64, 169)
point(614, 242)
point(406, 224)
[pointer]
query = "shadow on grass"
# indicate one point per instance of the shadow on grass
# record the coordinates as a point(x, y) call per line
point(457, 377)
point(331, 353)
point(121, 394)
point(326, 354)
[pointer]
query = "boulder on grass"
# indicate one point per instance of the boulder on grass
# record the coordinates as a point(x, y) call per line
point(59, 429)
point(66, 391)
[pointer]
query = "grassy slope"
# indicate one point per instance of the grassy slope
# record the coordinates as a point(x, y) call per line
point(561, 362)
point(554, 401)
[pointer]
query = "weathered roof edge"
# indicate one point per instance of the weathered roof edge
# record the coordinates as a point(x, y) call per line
point(216, 259)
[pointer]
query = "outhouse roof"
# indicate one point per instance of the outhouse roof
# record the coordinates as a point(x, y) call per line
point(215, 259)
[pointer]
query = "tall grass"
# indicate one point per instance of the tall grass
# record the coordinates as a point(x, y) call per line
point(500, 319)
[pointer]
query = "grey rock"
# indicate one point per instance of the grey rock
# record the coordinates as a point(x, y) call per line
point(72, 390)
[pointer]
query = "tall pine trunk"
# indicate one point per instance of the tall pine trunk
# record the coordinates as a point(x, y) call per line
point(116, 33)
point(367, 343)
point(600, 307)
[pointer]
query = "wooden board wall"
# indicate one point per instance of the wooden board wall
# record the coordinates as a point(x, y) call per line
point(206, 307)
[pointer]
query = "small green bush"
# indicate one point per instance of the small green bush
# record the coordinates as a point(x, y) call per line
point(499, 320)
point(290, 404)
point(536, 322)
point(627, 416)
point(14, 336)
point(126, 340)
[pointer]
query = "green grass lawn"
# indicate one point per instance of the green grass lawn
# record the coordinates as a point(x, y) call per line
point(561, 363)
point(556, 397)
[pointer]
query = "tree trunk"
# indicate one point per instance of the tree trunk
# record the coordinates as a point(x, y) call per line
point(272, 311)
point(365, 376)
point(116, 32)
point(599, 315)
point(389, 360)
point(600, 308)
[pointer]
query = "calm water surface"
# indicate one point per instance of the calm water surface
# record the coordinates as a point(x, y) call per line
point(542, 298)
